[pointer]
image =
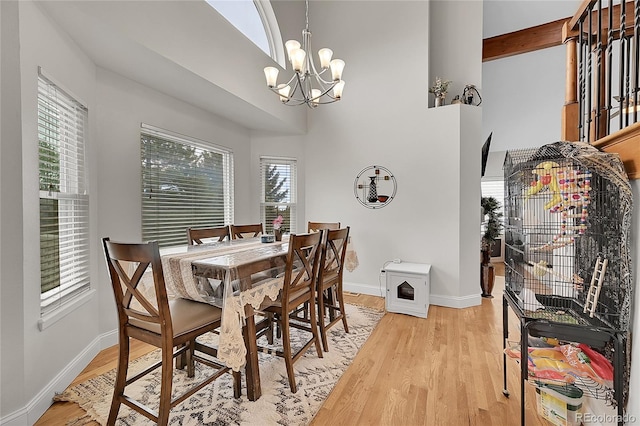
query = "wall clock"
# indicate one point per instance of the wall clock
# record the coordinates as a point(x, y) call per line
point(375, 187)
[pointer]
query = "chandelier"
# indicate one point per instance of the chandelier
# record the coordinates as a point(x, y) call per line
point(307, 86)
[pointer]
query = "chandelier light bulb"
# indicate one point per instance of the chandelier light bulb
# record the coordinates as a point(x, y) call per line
point(271, 74)
point(337, 89)
point(297, 59)
point(325, 57)
point(337, 65)
point(283, 90)
point(315, 96)
point(291, 45)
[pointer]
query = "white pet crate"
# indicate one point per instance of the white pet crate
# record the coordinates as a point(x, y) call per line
point(408, 288)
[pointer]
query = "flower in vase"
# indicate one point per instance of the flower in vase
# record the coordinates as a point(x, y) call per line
point(440, 87)
point(277, 222)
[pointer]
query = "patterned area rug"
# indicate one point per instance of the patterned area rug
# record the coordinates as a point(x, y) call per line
point(215, 405)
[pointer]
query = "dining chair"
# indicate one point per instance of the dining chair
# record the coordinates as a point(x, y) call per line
point(329, 284)
point(246, 231)
point(298, 287)
point(316, 226)
point(313, 227)
point(196, 235)
point(171, 325)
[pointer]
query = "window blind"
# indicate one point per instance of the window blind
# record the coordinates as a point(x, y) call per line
point(278, 177)
point(494, 188)
point(64, 199)
point(185, 183)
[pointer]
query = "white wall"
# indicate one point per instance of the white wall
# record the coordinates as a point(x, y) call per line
point(47, 353)
point(383, 120)
point(11, 242)
point(127, 103)
point(523, 97)
point(35, 364)
point(453, 54)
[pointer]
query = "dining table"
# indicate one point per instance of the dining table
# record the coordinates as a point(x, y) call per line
point(237, 276)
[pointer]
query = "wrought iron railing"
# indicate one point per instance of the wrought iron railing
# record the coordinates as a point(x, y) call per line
point(603, 62)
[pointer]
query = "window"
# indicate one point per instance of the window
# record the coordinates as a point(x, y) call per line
point(185, 182)
point(495, 189)
point(64, 199)
point(243, 14)
point(257, 21)
point(278, 177)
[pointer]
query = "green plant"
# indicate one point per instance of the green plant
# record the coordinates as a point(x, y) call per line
point(440, 87)
point(493, 225)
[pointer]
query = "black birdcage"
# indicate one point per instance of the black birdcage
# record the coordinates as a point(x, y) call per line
point(567, 216)
point(567, 262)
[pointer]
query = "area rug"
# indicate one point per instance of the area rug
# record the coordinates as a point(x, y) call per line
point(215, 405)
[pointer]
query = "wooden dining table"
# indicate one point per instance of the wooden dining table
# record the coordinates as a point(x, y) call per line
point(249, 272)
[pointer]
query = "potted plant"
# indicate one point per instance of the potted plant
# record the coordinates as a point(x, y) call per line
point(439, 90)
point(492, 228)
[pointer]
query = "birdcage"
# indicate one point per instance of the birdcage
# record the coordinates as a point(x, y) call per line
point(567, 262)
point(567, 218)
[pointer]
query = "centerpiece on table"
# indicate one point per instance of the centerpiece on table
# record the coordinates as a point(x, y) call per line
point(278, 229)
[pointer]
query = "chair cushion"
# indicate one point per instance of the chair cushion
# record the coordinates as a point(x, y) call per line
point(186, 315)
point(271, 305)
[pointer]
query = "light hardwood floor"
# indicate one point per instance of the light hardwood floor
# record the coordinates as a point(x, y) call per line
point(443, 370)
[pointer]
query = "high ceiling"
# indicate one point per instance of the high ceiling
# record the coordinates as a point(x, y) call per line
point(505, 16)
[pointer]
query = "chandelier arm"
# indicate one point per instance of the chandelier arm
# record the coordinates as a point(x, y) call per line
point(324, 88)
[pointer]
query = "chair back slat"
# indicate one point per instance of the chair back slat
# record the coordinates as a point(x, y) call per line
point(302, 265)
point(196, 235)
point(246, 231)
point(334, 250)
point(131, 299)
point(316, 226)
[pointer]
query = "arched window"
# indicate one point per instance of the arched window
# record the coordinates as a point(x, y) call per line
point(256, 20)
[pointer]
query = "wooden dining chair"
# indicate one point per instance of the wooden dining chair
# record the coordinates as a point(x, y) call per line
point(302, 312)
point(298, 287)
point(316, 226)
point(171, 325)
point(196, 235)
point(329, 288)
point(246, 231)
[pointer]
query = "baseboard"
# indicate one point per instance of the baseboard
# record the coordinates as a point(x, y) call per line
point(371, 290)
point(458, 302)
point(29, 414)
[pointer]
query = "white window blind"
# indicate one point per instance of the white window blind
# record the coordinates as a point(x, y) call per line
point(494, 188)
point(278, 177)
point(185, 183)
point(64, 199)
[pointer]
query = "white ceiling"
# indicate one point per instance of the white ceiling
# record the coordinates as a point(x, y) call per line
point(117, 52)
point(505, 16)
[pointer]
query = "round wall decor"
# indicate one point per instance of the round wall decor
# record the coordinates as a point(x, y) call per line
point(375, 187)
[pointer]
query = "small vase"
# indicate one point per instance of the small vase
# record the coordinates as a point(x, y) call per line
point(278, 234)
point(373, 190)
point(439, 101)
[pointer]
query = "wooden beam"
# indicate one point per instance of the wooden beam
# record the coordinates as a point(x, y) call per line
point(549, 34)
point(523, 41)
point(626, 143)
